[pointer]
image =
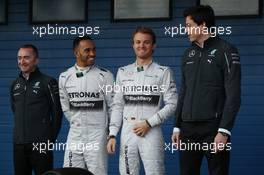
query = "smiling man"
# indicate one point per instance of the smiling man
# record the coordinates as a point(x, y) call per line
point(37, 114)
point(148, 85)
point(87, 107)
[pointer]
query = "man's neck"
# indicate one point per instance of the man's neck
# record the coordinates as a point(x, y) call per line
point(200, 41)
point(26, 74)
point(143, 62)
point(82, 65)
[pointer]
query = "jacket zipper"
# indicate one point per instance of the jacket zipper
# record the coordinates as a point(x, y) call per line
point(194, 86)
point(24, 113)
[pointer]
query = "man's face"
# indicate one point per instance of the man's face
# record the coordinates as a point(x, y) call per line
point(143, 45)
point(27, 60)
point(194, 31)
point(85, 53)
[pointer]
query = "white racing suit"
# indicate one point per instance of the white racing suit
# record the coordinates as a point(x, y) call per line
point(87, 108)
point(144, 91)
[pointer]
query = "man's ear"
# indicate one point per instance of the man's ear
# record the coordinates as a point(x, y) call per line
point(37, 61)
point(76, 53)
point(204, 24)
point(154, 46)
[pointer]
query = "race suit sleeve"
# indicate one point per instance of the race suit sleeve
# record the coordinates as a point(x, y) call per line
point(118, 106)
point(64, 98)
point(109, 93)
point(178, 112)
point(56, 111)
point(169, 98)
point(232, 78)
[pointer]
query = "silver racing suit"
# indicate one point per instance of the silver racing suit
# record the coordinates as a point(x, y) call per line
point(142, 93)
point(87, 107)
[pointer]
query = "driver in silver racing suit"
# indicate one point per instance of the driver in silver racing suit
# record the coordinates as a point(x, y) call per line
point(140, 93)
point(87, 107)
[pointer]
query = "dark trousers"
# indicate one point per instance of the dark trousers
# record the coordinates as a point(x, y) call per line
point(26, 159)
point(202, 133)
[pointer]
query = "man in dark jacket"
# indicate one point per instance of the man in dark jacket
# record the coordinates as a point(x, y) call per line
point(37, 114)
point(209, 97)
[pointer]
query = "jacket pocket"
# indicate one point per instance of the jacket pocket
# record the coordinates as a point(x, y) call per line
point(208, 103)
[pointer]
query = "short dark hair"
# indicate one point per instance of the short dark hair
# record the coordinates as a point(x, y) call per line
point(31, 46)
point(77, 40)
point(145, 30)
point(200, 14)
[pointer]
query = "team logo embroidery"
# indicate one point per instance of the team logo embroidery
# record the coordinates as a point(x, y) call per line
point(36, 85)
point(35, 91)
point(191, 53)
point(17, 86)
point(212, 53)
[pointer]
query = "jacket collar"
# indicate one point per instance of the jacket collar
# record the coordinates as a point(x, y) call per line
point(32, 75)
point(207, 43)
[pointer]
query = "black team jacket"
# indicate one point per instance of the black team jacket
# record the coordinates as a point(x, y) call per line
point(210, 87)
point(36, 106)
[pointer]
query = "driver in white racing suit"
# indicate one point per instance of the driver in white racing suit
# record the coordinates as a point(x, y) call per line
point(87, 107)
point(141, 90)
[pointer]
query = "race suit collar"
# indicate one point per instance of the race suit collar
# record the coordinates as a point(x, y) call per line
point(81, 71)
point(78, 68)
point(139, 68)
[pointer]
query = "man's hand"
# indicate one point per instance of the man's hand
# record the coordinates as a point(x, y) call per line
point(141, 128)
point(175, 139)
point(220, 142)
point(111, 146)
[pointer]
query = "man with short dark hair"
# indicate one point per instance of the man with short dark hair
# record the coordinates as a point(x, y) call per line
point(144, 87)
point(209, 97)
point(37, 114)
point(86, 104)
